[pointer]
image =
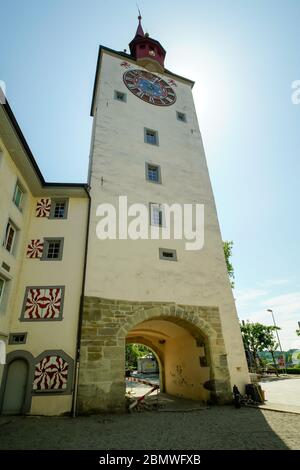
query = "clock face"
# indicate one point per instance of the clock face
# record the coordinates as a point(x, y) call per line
point(149, 87)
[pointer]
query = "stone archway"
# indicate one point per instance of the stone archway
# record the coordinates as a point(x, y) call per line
point(186, 345)
point(106, 325)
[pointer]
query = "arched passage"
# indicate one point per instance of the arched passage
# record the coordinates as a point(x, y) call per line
point(187, 339)
point(182, 350)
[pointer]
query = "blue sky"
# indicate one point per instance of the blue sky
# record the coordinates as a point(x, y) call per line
point(243, 55)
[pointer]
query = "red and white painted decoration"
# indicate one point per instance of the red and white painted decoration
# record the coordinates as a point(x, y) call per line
point(43, 207)
point(125, 64)
point(172, 82)
point(43, 303)
point(35, 249)
point(51, 373)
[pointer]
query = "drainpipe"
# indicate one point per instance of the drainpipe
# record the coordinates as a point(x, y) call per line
point(79, 327)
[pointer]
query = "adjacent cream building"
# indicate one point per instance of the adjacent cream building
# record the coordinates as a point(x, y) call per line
point(42, 254)
point(70, 300)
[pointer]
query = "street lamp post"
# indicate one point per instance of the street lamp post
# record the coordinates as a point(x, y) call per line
point(269, 310)
point(248, 356)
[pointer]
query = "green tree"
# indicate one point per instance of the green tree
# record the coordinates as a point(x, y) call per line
point(133, 351)
point(288, 357)
point(298, 332)
point(270, 343)
point(227, 247)
point(258, 337)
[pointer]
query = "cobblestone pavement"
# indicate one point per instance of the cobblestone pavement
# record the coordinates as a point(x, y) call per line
point(214, 428)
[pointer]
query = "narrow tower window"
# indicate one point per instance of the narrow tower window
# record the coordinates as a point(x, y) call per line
point(151, 137)
point(153, 173)
point(120, 96)
point(167, 254)
point(157, 216)
point(181, 116)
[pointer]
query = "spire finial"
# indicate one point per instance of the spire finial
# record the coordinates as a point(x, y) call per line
point(140, 16)
point(139, 31)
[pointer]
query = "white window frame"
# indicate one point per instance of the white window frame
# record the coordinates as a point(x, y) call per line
point(54, 202)
point(153, 133)
point(10, 224)
point(148, 169)
point(47, 242)
point(156, 207)
point(2, 289)
point(18, 186)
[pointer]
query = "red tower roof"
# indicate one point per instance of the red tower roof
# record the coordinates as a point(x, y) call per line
point(139, 31)
point(147, 51)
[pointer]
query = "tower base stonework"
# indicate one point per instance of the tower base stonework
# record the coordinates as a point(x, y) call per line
point(188, 340)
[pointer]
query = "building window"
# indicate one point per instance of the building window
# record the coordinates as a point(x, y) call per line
point(17, 338)
point(181, 116)
point(2, 286)
point(165, 253)
point(53, 249)
point(157, 216)
point(120, 96)
point(6, 266)
point(151, 137)
point(153, 173)
point(4, 292)
point(59, 209)
point(18, 196)
point(10, 236)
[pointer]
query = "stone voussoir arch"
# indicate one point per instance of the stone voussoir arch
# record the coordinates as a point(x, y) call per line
point(169, 313)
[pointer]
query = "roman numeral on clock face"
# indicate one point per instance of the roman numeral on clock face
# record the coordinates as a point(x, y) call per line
point(131, 75)
point(156, 80)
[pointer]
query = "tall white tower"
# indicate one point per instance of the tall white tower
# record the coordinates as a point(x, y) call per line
point(146, 145)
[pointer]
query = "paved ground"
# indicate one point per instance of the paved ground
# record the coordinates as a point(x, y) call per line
point(284, 391)
point(214, 428)
point(136, 389)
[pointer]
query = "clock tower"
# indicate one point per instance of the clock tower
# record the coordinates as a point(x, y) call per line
point(146, 149)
